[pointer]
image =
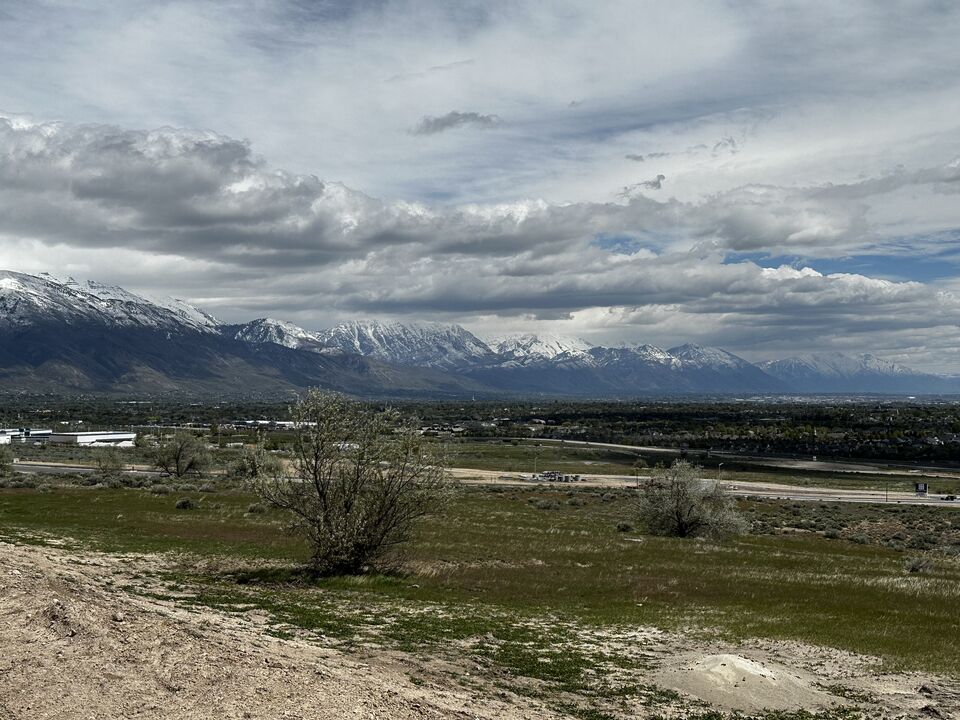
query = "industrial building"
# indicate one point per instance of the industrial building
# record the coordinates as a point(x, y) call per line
point(98, 438)
point(23, 435)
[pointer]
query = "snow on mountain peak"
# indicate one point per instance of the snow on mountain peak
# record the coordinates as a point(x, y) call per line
point(706, 357)
point(27, 299)
point(834, 364)
point(278, 332)
point(541, 346)
point(424, 344)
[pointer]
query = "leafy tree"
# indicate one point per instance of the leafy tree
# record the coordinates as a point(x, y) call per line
point(678, 502)
point(359, 482)
point(184, 455)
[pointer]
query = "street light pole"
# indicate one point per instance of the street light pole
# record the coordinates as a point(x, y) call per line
point(719, 466)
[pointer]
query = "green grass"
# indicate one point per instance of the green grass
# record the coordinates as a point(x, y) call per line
point(524, 456)
point(524, 581)
point(501, 550)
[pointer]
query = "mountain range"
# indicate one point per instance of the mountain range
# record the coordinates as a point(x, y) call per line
point(71, 336)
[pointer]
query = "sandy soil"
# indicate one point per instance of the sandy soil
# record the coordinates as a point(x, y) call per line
point(75, 644)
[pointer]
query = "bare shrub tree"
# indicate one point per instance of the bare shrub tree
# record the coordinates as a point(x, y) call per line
point(253, 464)
point(184, 455)
point(6, 461)
point(678, 502)
point(109, 462)
point(359, 482)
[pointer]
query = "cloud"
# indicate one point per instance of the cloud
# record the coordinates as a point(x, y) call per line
point(653, 184)
point(430, 125)
point(445, 67)
point(200, 215)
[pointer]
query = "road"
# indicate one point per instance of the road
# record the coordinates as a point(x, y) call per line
point(855, 468)
point(772, 491)
point(61, 469)
point(776, 491)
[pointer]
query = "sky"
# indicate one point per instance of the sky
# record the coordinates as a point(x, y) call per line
point(772, 178)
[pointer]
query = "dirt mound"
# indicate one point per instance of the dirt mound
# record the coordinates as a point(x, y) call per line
point(75, 646)
point(739, 683)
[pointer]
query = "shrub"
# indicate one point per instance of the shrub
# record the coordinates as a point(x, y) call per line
point(918, 565)
point(257, 509)
point(6, 461)
point(184, 455)
point(678, 502)
point(623, 526)
point(361, 481)
point(160, 489)
point(185, 504)
point(109, 462)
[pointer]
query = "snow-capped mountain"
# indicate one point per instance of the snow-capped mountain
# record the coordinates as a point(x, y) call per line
point(836, 372)
point(833, 364)
point(278, 332)
point(522, 347)
point(57, 334)
point(31, 299)
point(414, 344)
point(528, 350)
point(706, 358)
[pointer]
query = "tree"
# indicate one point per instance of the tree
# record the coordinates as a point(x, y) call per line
point(359, 482)
point(6, 460)
point(678, 502)
point(255, 464)
point(184, 455)
point(109, 462)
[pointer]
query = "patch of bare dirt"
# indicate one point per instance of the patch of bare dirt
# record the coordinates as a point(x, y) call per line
point(73, 645)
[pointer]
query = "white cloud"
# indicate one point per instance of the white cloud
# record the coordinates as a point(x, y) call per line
point(815, 131)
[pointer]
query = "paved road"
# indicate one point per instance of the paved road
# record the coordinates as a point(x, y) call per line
point(741, 489)
point(855, 468)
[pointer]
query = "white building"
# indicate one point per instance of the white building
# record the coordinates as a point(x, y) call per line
point(23, 435)
point(106, 437)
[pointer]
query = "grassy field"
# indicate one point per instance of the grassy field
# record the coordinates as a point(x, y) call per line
point(499, 562)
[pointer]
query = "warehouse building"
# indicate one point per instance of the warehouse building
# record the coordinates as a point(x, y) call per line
point(97, 438)
point(23, 435)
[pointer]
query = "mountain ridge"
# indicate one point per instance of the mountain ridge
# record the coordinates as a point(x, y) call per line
point(88, 335)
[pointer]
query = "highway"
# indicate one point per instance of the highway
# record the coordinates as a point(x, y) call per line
point(773, 491)
point(777, 491)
